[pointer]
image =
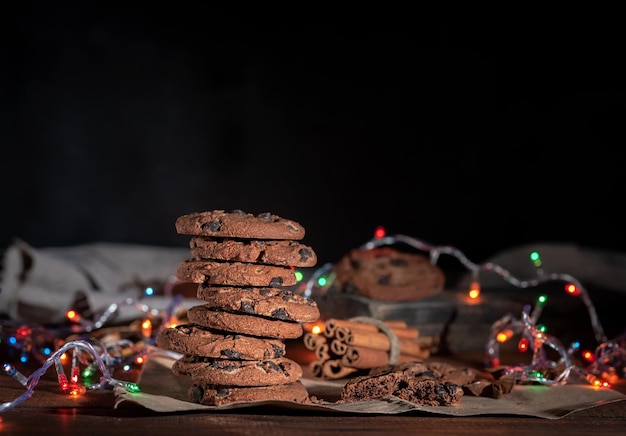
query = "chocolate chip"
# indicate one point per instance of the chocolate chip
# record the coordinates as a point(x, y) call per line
point(268, 365)
point(247, 307)
point(238, 212)
point(231, 354)
point(305, 254)
point(265, 292)
point(384, 280)
point(217, 364)
point(280, 314)
point(440, 390)
point(276, 281)
point(212, 226)
point(451, 388)
point(399, 262)
point(196, 393)
point(266, 216)
point(222, 392)
point(278, 351)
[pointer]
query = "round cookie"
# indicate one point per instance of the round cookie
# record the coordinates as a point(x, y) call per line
point(235, 273)
point(272, 252)
point(245, 324)
point(387, 274)
point(239, 224)
point(206, 370)
point(211, 395)
point(278, 303)
point(201, 341)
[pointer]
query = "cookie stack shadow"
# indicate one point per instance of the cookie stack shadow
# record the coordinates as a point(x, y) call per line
point(233, 346)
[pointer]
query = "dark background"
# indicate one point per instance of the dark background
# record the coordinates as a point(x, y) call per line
point(480, 134)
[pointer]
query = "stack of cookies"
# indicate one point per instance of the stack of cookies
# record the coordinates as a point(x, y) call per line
point(233, 346)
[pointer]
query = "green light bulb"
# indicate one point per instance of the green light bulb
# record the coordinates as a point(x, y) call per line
point(535, 258)
point(132, 387)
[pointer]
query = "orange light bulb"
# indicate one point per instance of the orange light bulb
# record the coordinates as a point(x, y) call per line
point(474, 290)
point(504, 335)
point(73, 316)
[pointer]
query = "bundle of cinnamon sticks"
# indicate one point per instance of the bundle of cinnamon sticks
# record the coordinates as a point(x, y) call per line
point(346, 347)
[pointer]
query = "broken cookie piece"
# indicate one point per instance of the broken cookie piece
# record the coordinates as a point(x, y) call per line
point(410, 381)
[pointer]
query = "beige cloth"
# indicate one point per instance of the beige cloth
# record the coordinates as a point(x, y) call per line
point(41, 284)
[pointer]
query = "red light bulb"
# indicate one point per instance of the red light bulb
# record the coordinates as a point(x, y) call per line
point(522, 345)
point(572, 289)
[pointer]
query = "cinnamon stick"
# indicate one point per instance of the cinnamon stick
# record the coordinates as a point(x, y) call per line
point(398, 327)
point(338, 347)
point(380, 341)
point(342, 332)
point(316, 367)
point(365, 358)
point(322, 351)
point(312, 341)
point(333, 369)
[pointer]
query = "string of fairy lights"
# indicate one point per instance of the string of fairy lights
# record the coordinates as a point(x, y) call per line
point(87, 347)
point(92, 347)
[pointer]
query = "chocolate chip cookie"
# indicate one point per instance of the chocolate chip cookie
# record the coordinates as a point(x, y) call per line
point(278, 303)
point(202, 341)
point(387, 274)
point(239, 224)
point(211, 395)
point(235, 273)
point(269, 252)
point(226, 372)
point(245, 324)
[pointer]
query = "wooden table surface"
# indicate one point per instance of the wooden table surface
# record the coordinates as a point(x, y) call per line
point(48, 411)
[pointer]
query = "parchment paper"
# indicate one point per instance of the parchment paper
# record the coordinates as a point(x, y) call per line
point(162, 391)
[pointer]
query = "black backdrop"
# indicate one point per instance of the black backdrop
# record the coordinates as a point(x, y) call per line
point(477, 134)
